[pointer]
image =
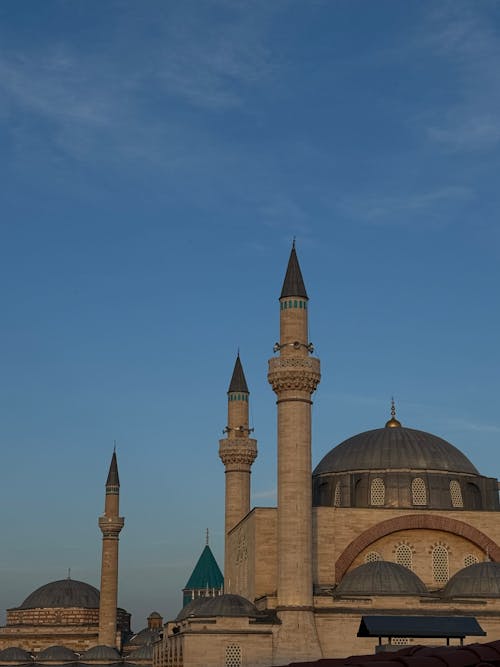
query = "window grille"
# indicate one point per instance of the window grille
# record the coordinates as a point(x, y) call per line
point(418, 491)
point(456, 494)
point(337, 498)
point(440, 564)
point(470, 559)
point(372, 556)
point(404, 555)
point(233, 655)
point(400, 641)
point(378, 491)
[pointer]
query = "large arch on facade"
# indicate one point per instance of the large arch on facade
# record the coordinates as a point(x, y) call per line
point(409, 522)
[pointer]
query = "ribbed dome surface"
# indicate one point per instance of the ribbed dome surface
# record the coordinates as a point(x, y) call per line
point(101, 652)
point(395, 448)
point(479, 580)
point(15, 654)
point(144, 636)
point(221, 605)
point(381, 578)
point(64, 593)
point(143, 653)
point(190, 608)
point(57, 654)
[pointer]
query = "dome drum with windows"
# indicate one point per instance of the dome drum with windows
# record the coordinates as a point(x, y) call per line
point(400, 467)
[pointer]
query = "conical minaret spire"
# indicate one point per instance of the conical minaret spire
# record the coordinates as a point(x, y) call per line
point(110, 524)
point(293, 285)
point(238, 381)
point(294, 375)
point(237, 451)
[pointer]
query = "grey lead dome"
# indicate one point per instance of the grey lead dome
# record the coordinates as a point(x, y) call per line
point(63, 593)
point(380, 578)
point(478, 580)
point(395, 448)
point(221, 605)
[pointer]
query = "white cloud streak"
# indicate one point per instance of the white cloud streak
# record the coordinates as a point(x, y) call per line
point(465, 35)
point(399, 209)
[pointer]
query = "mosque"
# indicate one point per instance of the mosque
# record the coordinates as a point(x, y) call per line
point(391, 522)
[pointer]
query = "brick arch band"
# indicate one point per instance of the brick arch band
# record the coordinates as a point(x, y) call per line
point(409, 522)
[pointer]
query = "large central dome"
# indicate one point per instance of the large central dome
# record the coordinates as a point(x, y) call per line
point(401, 467)
point(395, 449)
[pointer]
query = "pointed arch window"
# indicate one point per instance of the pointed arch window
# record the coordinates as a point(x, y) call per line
point(377, 491)
point(470, 559)
point(372, 557)
point(404, 555)
point(456, 494)
point(418, 491)
point(440, 564)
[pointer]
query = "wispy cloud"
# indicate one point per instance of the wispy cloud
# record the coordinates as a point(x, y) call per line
point(478, 427)
point(465, 35)
point(399, 209)
point(54, 88)
point(95, 100)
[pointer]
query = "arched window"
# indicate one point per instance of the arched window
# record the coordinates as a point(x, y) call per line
point(233, 655)
point(324, 494)
point(377, 495)
point(470, 559)
point(361, 492)
point(418, 491)
point(337, 497)
point(456, 494)
point(473, 495)
point(372, 556)
point(404, 555)
point(440, 564)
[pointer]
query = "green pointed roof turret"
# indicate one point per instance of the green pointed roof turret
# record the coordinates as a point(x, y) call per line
point(206, 573)
point(238, 382)
point(113, 479)
point(293, 285)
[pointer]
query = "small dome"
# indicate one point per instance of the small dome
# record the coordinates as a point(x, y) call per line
point(64, 593)
point(56, 654)
point(190, 608)
point(155, 614)
point(221, 605)
point(15, 654)
point(380, 578)
point(478, 580)
point(143, 653)
point(100, 653)
point(144, 636)
point(395, 448)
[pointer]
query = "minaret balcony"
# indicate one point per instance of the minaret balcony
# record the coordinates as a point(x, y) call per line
point(294, 373)
point(238, 451)
point(111, 525)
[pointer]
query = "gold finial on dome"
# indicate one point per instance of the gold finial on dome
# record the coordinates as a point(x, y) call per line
point(393, 422)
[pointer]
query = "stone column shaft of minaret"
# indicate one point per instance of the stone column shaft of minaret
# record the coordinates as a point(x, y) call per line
point(294, 376)
point(294, 500)
point(110, 524)
point(237, 452)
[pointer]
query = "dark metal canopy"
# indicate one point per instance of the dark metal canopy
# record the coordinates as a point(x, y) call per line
point(423, 627)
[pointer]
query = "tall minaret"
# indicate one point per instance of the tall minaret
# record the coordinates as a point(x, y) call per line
point(237, 451)
point(294, 376)
point(110, 524)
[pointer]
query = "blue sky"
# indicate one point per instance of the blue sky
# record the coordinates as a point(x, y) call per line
point(156, 161)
